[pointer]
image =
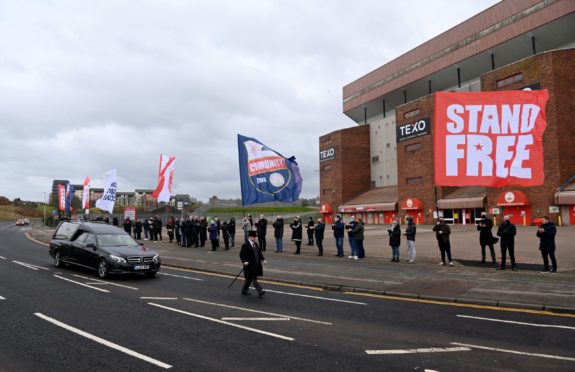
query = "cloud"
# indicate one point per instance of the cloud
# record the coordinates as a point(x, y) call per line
point(90, 86)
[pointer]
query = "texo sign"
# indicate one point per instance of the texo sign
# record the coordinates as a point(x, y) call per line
point(413, 130)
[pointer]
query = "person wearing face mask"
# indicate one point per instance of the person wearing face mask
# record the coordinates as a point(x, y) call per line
point(507, 233)
point(442, 232)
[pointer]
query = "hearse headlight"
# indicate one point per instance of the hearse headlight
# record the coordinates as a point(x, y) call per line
point(117, 259)
point(156, 258)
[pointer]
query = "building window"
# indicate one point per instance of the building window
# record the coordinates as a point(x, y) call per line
point(327, 191)
point(414, 181)
point(375, 159)
point(327, 167)
point(509, 80)
point(413, 147)
point(411, 113)
point(373, 184)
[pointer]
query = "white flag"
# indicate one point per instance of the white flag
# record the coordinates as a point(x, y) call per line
point(106, 202)
point(165, 178)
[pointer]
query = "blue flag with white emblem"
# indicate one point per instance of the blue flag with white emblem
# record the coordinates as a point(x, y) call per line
point(266, 175)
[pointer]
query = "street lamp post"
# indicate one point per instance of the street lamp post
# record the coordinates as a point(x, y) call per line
point(44, 207)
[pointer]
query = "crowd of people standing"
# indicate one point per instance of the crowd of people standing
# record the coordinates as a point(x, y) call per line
point(195, 231)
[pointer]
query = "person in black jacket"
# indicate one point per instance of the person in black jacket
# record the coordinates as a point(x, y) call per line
point(309, 230)
point(279, 233)
point(178, 231)
point(410, 232)
point(486, 237)
point(158, 228)
point(252, 259)
point(232, 231)
point(394, 239)
point(203, 231)
point(442, 232)
point(296, 235)
point(138, 230)
point(507, 233)
point(261, 229)
point(546, 234)
point(224, 228)
point(128, 225)
point(319, 230)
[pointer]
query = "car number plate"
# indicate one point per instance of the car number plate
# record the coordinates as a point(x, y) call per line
point(141, 267)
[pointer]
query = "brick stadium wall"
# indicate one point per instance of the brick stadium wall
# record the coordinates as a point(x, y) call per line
point(554, 72)
point(350, 172)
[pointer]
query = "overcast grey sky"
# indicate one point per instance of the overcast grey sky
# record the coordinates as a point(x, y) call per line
point(87, 86)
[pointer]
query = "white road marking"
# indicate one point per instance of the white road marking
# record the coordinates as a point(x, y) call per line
point(30, 266)
point(257, 319)
point(158, 298)
point(2, 298)
point(223, 322)
point(183, 277)
point(514, 352)
point(316, 297)
point(97, 281)
point(82, 284)
point(2, 258)
point(416, 351)
point(520, 323)
point(257, 311)
point(104, 342)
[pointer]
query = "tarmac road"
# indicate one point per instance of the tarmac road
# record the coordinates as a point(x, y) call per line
point(67, 319)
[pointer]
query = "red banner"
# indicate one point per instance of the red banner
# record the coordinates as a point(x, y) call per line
point(489, 138)
point(61, 197)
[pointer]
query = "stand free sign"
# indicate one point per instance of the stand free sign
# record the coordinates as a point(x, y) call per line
point(489, 138)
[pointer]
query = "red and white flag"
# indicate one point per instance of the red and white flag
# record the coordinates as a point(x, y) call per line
point(86, 194)
point(61, 197)
point(490, 139)
point(165, 178)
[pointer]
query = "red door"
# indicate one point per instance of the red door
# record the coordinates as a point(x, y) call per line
point(572, 215)
point(517, 213)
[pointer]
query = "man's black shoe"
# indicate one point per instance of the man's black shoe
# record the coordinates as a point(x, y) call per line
point(246, 293)
point(261, 294)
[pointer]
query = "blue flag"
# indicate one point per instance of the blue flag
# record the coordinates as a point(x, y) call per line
point(265, 174)
point(69, 196)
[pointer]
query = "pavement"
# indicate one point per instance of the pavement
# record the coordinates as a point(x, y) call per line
point(468, 282)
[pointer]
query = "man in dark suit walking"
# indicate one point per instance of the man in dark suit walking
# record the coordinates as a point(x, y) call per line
point(252, 259)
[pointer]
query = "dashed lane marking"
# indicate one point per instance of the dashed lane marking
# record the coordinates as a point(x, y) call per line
point(2, 258)
point(514, 352)
point(158, 298)
point(182, 277)
point(256, 319)
point(82, 284)
point(417, 351)
point(30, 266)
point(104, 342)
point(104, 282)
point(223, 322)
point(514, 322)
point(316, 297)
point(257, 311)
point(2, 298)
